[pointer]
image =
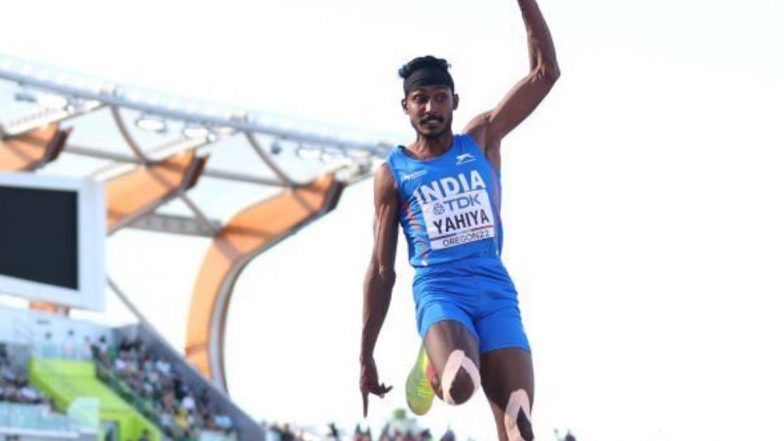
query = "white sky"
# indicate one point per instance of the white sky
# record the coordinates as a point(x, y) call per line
point(643, 200)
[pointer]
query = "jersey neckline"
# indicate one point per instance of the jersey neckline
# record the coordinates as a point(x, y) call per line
point(452, 147)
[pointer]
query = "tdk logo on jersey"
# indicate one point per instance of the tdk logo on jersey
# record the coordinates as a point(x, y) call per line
point(457, 203)
point(465, 158)
point(414, 175)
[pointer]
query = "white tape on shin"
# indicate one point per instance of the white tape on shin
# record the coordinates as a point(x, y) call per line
point(456, 360)
point(518, 400)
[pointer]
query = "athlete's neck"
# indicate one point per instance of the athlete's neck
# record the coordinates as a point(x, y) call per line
point(431, 147)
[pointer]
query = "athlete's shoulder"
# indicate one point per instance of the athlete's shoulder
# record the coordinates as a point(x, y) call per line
point(384, 180)
point(476, 129)
point(469, 141)
point(393, 154)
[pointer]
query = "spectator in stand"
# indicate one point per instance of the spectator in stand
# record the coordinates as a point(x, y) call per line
point(181, 420)
point(69, 345)
point(163, 367)
point(223, 421)
point(101, 353)
point(188, 402)
point(167, 419)
point(49, 349)
point(286, 434)
point(6, 371)
point(334, 433)
point(103, 346)
point(359, 435)
point(86, 352)
point(448, 436)
point(27, 394)
point(14, 386)
point(121, 364)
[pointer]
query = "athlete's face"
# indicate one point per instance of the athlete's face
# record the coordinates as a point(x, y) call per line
point(430, 109)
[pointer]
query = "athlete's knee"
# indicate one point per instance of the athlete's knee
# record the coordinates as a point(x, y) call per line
point(517, 417)
point(460, 378)
point(461, 388)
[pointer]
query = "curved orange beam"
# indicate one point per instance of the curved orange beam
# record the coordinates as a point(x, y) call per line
point(33, 149)
point(139, 192)
point(245, 236)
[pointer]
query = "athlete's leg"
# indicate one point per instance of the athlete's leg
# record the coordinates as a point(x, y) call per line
point(454, 354)
point(508, 382)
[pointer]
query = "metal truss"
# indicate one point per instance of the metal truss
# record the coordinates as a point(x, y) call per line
point(57, 96)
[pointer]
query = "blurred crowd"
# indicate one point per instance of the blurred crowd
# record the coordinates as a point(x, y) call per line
point(285, 432)
point(156, 389)
point(14, 384)
point(399, 428)
point(388, 433)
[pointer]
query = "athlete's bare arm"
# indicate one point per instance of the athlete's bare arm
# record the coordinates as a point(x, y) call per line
point(489, 128)
point(379, 281)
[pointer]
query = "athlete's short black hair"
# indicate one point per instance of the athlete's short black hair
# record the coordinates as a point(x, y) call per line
point(425, 71)
point(427, 61)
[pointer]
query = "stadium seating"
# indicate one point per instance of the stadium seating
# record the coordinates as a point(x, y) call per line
point(72, 366)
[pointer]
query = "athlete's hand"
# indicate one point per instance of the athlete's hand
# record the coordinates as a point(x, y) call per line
point(368, 383)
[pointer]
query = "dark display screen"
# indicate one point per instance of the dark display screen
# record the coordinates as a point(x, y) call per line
point(39, 236)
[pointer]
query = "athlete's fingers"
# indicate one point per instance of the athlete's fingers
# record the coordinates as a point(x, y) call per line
point(375, 389)
point(380, 389)
point(383, 389)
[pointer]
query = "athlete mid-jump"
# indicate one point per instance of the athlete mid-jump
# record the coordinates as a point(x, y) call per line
point(444, 190)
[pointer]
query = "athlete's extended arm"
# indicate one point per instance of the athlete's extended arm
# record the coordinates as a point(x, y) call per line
point(489, 128)
point(379, 280)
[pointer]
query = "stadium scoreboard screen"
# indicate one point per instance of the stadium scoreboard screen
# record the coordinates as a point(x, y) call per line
point(39, 236)
point(52, 235)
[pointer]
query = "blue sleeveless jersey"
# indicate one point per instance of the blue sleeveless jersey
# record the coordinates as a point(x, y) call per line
point(449, 205)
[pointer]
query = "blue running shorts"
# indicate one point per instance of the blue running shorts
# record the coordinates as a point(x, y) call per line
point(476, 292)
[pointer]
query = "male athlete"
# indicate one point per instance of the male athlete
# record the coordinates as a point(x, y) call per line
point(444, 190)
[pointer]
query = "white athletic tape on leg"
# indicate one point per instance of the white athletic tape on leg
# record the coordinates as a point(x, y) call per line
point(456, 360)
point(453, 364)
point(473, 372)
point(518, 400)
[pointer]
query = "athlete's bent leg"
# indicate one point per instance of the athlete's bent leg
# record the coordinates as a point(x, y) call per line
point(454, 353)
point(508, 382)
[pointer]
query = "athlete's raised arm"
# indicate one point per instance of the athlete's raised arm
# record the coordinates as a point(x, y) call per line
point(489, 128)
point(379, 280)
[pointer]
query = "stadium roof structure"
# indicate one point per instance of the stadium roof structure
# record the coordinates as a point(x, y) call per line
point(271, 174)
